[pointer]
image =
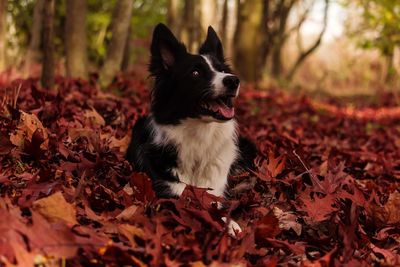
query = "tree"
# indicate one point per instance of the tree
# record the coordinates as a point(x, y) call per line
point(306, 53)
point(3, 30)
point(75, 39)
point(264, 26)
point(379, 28)
point(173, 15)
point(247, 39)
point(115, 51)
point(208, 16)
point(48, 45)
point(224, 22)
point(33, 52)
point(190, 26)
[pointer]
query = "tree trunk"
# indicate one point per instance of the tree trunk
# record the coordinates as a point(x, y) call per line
point(75, 39)
point(173, 15)
point(224, 22)
point(48, 45)
point(390, 69)
point(280, 36)
point(208, 16)
point(33, 53)
point(266, 42)
point(127, 50)
point(115, 51)
point(247, 39)
point(3, 31)
point(190, 28)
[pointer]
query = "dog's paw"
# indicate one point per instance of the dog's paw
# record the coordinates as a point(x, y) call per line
point(233, 227)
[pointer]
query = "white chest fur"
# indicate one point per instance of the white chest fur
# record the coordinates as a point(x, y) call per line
point(206, 151)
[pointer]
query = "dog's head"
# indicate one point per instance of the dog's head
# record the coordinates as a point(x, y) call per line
point(190, 86)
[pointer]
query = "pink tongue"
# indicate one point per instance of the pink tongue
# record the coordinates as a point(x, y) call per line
point(223, 110)
point(227, 112)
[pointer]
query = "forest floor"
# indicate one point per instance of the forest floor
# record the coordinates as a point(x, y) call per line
point(325, 191)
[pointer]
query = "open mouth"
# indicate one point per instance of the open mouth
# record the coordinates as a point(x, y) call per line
point(220, 108)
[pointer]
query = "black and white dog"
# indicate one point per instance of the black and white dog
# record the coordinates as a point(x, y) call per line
point(190, 137)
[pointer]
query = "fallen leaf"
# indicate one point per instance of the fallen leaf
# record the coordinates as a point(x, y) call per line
point(27, 126)
point(55, 209)
point(287, 220)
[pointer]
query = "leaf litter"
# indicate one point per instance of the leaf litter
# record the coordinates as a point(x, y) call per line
point(325, 191)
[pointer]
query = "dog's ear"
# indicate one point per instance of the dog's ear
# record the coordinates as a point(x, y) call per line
point(212, 45)
point(165, 49)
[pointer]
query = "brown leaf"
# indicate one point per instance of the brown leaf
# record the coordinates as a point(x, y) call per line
point(27, 126)
point(94, 117)
point(122, 143)
point(390, 212)
point(127, 213)
point(287, 220)
point(55, 209)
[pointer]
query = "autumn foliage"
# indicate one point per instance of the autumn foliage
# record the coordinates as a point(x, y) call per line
point(324, 193)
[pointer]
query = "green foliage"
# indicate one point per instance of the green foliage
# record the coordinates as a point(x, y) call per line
point(380, 24)
point(145, 15)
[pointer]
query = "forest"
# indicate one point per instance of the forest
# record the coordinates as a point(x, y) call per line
point(319, 98)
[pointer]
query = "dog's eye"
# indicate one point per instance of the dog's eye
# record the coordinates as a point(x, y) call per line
point(195, 73)
point(223, 71)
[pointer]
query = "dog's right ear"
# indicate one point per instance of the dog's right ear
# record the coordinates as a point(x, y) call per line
point(165, 49)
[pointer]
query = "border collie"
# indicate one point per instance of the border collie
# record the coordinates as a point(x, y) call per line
point(190, 136)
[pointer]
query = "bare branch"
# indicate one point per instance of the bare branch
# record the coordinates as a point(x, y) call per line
point(303, 55)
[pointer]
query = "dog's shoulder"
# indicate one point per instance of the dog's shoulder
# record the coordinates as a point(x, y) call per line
point(141, 135)
point(247, 153)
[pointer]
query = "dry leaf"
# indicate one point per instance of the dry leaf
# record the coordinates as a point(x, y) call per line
point(55, 209)
point(27, 126)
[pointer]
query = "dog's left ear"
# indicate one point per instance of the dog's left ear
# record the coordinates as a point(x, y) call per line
point(212, 45)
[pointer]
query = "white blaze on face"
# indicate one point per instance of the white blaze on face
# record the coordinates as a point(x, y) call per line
point(217, 81)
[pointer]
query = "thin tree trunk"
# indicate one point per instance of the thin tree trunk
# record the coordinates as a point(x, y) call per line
point(3, 31)
point(48, 45)
point(115, 51)
point(209, 16)
point(390, 69)
point(34, 52)
point(224, 22)
point(127, 50)
point(172, 15)
point(189, 25)
point(265, 35)
point(279, 39)
point(75, 39)
point(247, 39)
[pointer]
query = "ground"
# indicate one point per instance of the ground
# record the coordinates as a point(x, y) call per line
point(324, 193)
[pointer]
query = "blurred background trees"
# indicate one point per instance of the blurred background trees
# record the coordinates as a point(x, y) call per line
point(308, 44)
point(378, 28)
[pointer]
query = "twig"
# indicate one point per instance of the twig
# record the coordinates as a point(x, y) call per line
point(315, 179)
point(16, 95)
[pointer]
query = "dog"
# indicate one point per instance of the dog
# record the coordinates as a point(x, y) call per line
point(190, 136)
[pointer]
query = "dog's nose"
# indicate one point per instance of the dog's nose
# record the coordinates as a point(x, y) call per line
point(231, 82)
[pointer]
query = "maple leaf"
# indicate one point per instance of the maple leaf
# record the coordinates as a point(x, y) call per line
point(272, 167)
point(275, 164)
point(318, 209)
